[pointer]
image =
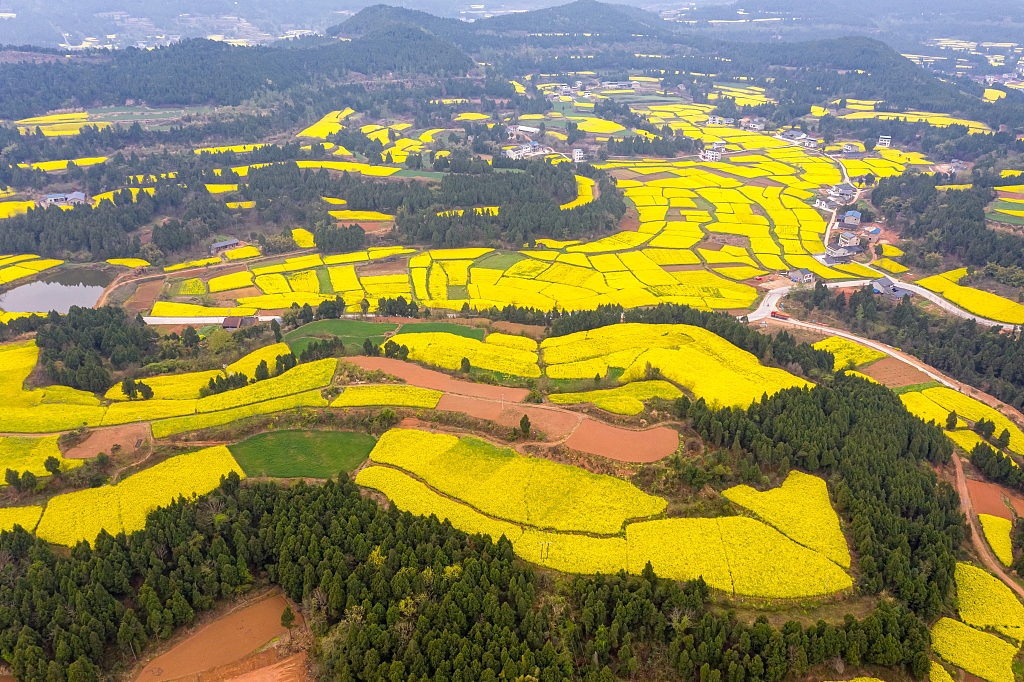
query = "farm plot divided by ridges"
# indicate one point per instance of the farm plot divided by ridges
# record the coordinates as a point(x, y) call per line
point(469, 483)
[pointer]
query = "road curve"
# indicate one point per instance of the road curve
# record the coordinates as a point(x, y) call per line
point(977, 538)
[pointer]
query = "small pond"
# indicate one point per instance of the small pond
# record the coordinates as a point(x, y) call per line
point(58, 291)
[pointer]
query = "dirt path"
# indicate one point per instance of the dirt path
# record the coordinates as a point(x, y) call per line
point(977, 538)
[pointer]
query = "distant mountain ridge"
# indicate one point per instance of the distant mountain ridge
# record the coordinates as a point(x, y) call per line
point(581, 16)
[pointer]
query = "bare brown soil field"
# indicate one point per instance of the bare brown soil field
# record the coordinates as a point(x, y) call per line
point(230, 296)
point(221, 642)
point(145, 296)
point(630, 221)
point(291, 669)
point(534, 331)
point(988, 498)
point(428, 378)
point(621, 444)
point(395, 267)
point(102, 440)
point(555, 424)
point(893, 373)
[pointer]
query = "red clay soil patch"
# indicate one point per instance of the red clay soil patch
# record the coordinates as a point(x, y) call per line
point(893, 372)
point(230, 296)
point(534, 331)
point(987, 498)
point(103, 440)
point(556, 424)
point(221, 642)
point(622, 444)
point(291, 669)
point(144, 297)
point(428, 378)
point(395, 267)
point(630, 221)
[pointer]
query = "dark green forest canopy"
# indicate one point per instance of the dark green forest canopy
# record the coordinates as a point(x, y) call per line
point(210, 72)
point(391, 595)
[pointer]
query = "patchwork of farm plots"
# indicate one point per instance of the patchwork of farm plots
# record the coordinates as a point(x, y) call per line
point(976, 301)
point(176, 405)
point(565, 518)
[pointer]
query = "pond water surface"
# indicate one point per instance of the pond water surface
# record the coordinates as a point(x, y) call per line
point(61, 290)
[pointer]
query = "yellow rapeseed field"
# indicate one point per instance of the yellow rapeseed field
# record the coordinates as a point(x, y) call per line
point(966, 406)
point(171, 386)
point(506, 485)
point(979, 653)
point(848, 353)
point(388, 394)
point(447, 350)
point(129, 262)
point(192, 264)
point(248, 364)
point(628, 399)
point(82, 515)
point(801, 510)
point(168, 427)
point(985, 602)
point(997, 533)
point(30, 454)
point(26, 517)
point(704, 363)
point(236, 280)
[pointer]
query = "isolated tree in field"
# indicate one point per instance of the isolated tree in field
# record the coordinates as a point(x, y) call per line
point(524, 426)
point(128, 388)
point(276, 328)
point(28, 481)
point(190, 337)
point(1003, 440)
point(52, 465)
point(466, 366)
point(262, 371)
point(145, 392)
point(12, 479)
point(951, 420)
point(287, 618)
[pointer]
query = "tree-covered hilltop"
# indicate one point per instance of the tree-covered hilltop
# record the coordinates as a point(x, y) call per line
point(393, 596)
point(210, 72)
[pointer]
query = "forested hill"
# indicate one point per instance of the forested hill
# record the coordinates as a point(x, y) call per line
point(601, 21)
point(208, 72)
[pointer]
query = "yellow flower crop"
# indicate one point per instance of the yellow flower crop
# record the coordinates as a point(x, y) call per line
point(129, 262)
point(304, 280)
point(889, 265)
point(192, 264)
point(506, 485)
point(848, 353)
point(985, 602)
point(146, 410)
point(171, 309)
point(447, 350)
point(704, 363)
point(81, 515)
point(236, 280)
point(304, 238)
point(167, 427)
point(388, 394)
point(584, 193)
point(242, 252)
point(997, 533)
point(171, 386)
point(248, 364)
point(291, 265)
point(761, 561)
point(801, 510)
point(29, 454)
point(26, 517)
point(937, 673)
point(964, 439)
point(628, 399)
point(369, 216)
point(919, 405)
point(979, 653)
point(508, 341)
point(973, 300)
point(296, 380)
point(192, 287)
point(273, 284)
point(972, 409)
